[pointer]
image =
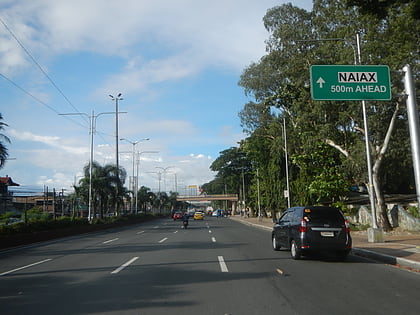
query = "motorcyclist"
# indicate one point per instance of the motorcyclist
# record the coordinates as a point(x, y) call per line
point(185, 218)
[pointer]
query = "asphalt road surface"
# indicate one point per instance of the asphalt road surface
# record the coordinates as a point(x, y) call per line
point(216, 266)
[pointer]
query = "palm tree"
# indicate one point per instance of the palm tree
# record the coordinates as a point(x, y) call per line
point(3, 138)
point(105, 185)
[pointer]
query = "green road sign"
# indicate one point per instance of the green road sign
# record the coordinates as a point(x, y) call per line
point(347, 82)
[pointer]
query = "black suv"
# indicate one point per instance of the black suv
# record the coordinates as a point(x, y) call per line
point(312, 229)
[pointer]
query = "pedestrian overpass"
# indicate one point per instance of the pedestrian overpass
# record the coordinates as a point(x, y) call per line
point(206, 198)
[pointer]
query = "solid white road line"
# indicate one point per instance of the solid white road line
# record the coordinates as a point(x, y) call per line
point(222, 264)
point(109, 241)
point(163, 239)
point(27, 266)
point(125, 265)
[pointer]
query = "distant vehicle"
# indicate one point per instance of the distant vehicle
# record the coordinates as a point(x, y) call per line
point(209, 210)
point(177, 215)
point(198, 215)
point(306, 230)
point(217, 213)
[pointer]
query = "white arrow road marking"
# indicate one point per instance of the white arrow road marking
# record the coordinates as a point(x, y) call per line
point(27, 266)
point(320, 81)
point(125, 265)
point(109, 241)
point(163, 239)
point(222, 264)
point(213, 239)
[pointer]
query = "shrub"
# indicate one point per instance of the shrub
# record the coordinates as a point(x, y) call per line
point(413, 211)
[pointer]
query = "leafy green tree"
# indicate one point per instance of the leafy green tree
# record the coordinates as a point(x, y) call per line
point(381, 8)
point(3, 138)
point(299, 39)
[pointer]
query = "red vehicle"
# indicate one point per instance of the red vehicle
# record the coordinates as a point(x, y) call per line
point(177, 216)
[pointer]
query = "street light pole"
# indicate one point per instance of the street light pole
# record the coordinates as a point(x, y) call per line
point(287, 163)
point(133, 187)
point(117, 164)
point(164, 172)
point(92, 131)
point(116, 99)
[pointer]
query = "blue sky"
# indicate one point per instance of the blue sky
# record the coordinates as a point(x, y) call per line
point(177, 64)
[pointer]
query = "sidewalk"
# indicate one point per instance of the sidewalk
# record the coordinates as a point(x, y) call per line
point(400, 248)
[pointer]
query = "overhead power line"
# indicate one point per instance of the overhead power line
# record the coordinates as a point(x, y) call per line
point(38, 65)
point(35, 98)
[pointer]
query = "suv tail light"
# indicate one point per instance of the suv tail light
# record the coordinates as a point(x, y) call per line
point(302, 228)
point(347, 224)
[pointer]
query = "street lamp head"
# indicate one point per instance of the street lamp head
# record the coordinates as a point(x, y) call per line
point(119, 98)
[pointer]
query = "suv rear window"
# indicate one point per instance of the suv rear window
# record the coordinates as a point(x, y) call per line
point(323, 214)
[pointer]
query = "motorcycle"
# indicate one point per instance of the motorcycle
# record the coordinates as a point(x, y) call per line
point(185, 223)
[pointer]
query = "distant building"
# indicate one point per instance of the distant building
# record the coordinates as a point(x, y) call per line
point(5, 196)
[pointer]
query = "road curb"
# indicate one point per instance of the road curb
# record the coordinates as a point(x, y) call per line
point(391, 260)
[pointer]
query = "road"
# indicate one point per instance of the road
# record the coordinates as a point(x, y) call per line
point(216, 266)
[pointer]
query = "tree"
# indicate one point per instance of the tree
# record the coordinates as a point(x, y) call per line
point(106, 181)
point(299, 39)
point(3, 138)
point(381, 8)
point(145, 197)
point(231, 166)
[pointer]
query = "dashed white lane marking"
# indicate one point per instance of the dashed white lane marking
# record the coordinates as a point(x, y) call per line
point(109, 241)
point(156, 227)
point(213, 239)
point(24, 267)
point(222, 264)
point(163, 239)
point(125, 265)
point(176, 231)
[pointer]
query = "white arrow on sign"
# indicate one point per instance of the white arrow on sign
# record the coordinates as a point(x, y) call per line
point(320, 81)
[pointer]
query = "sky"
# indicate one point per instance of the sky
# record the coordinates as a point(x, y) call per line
point(176, 63)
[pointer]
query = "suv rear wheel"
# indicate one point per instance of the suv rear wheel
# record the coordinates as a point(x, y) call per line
point(295, 250)
point(341, 255)
point(275, 244)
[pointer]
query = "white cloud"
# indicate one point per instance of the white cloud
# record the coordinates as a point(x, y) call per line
point(144, 49)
